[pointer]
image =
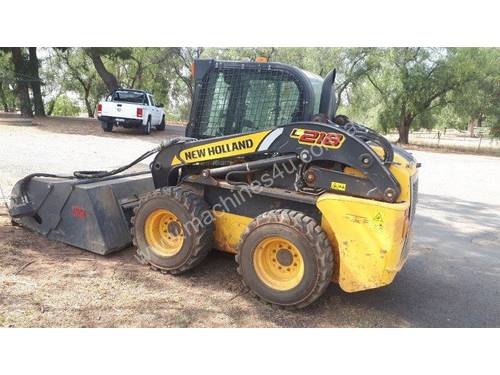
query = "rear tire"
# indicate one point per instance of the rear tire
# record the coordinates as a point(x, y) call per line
point(107, 126)
point(285, 258)
point(162, 124)
point(147, 128)
point(162, 233)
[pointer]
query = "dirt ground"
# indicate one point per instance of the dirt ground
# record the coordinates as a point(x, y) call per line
point(49, 284)
point(452, 277)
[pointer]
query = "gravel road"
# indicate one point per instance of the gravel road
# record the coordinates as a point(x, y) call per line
point(451, 279)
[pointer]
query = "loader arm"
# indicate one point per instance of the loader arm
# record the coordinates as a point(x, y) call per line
point(311, 143)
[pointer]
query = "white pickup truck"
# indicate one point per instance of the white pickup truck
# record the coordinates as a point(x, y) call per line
point(130, 109)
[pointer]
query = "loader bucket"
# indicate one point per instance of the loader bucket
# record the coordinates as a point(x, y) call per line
point(90, 214)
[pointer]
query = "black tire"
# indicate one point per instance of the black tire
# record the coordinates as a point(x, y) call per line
point(188, 207)
point(309, 239)
point(162, 124)
point(107, 126)
point(146, 129)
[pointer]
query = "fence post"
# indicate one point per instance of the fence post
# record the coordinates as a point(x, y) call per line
point(480, 139)
point(439, 138)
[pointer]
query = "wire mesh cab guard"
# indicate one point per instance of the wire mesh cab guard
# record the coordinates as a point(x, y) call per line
point(238, 97)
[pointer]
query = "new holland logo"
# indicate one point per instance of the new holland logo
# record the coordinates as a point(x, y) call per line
point(226, 148)
point(218, 149)
point(316, 137)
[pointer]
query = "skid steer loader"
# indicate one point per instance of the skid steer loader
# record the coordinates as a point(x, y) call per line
point(267, 171)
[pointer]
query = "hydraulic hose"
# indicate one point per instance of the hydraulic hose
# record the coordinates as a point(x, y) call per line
point(366, 134)
point(79, 175)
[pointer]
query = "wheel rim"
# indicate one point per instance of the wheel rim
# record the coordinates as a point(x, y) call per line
point(164, 232)
point(278, 263)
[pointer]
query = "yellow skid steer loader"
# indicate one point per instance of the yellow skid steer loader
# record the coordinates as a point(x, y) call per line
point(267, 171)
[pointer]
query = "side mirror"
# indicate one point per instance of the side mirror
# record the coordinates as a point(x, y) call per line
point(160, 105)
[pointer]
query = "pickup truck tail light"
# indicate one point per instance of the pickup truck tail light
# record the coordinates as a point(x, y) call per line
point(139, 112)
point(99, 108)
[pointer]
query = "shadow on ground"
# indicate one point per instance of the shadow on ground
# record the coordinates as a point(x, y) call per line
point(452, 277)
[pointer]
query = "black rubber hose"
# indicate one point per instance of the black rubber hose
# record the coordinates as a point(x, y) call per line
point(102, 174)
point(366, 134)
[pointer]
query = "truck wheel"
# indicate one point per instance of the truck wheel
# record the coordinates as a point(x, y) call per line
point(107, 126)
point(168, 229)
point(162, 124)
point(285, 258)
point(147, 129)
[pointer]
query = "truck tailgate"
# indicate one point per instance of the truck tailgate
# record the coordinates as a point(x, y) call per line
point(119, 110)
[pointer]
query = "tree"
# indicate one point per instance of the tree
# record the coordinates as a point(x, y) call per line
point(411, 82)
point(96, 55)
point(22, 81)
point(7, 96)
point(64, 106)
point(80, 77)
point(477, 100)
point(108, 78)
point(33, 65)
point(182, 65)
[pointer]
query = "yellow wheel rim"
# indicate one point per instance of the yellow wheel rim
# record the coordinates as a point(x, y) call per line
point(164, 232)
point(278, 263)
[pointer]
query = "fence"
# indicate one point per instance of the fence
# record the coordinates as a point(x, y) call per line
point(452, 139)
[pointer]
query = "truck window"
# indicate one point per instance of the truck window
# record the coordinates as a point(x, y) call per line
point(129, 97)
point(151, 101)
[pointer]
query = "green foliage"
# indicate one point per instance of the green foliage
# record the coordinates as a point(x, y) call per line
point(64, 106)
point(478, 98)
point(7, 82)
point(71, 71)
point(386, 88)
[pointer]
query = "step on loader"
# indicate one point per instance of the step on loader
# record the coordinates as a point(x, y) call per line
point(267, 171)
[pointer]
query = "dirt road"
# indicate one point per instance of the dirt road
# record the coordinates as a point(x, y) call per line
point(452, 277)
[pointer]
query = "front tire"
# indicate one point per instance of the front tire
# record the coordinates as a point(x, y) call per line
point(169, 231)
point(162, 124)
point(285, 258)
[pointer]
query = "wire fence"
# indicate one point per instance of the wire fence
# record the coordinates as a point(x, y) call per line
point(453, 139)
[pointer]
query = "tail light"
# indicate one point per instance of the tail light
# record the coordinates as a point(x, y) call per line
point(139, 112)
point(99, 108)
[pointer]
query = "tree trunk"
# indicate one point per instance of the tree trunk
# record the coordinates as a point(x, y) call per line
point(108, 78)
point(404, 131)
point(3, 98)
point(51, 106)
point(22, 86)
point(35, 83)
point(404, 128)
point(470, 126)
point(88, 104)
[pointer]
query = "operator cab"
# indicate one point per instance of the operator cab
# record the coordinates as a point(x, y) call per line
point(239, 97)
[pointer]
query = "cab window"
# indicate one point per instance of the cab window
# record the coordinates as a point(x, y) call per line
point(238, 101)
